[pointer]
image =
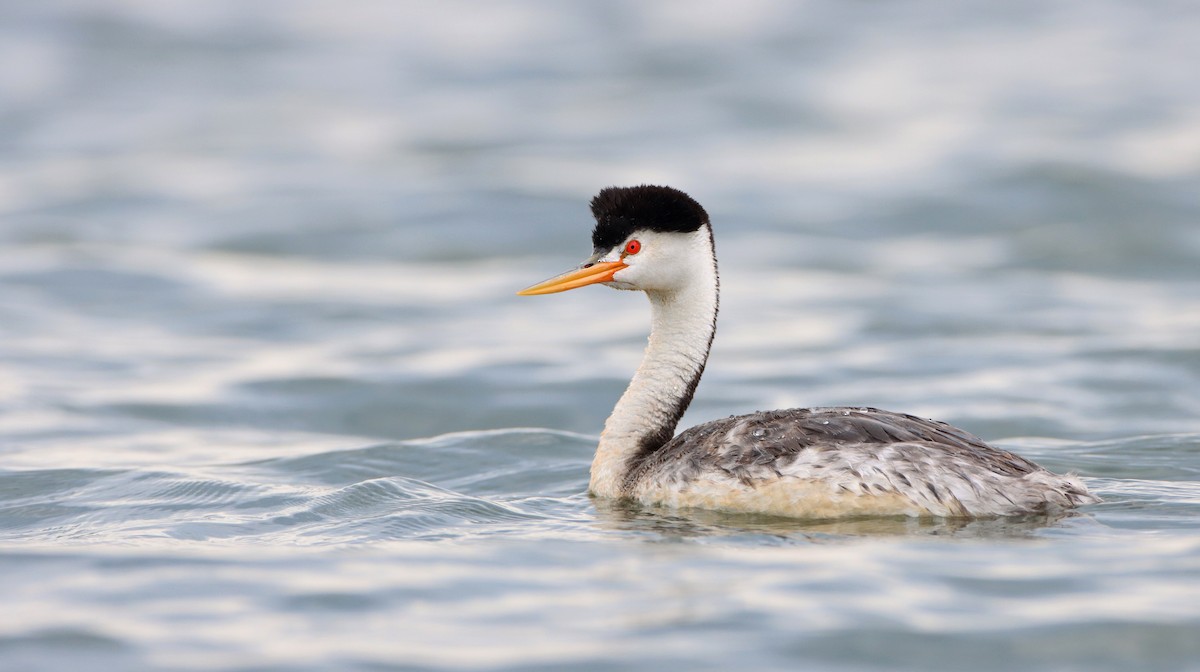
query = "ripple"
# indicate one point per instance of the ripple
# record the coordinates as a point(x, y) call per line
point(496, 462)
point(251, 254)
point(466, 483)
point(523, 482)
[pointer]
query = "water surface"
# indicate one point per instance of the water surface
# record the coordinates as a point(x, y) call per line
point(268, 401)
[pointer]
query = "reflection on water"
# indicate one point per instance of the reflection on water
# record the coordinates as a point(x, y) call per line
point(697, 524)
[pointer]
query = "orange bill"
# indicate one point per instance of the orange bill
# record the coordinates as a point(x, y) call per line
point(599, 272)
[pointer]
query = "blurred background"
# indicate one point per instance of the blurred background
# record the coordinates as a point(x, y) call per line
point(311, 215)
point(257, 258)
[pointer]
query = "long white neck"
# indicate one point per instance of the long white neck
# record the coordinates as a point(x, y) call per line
point(683, 321)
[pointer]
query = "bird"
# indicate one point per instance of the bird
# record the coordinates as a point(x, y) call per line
point(809, 463)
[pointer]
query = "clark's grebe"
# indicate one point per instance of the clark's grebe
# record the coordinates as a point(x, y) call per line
point(804, 463)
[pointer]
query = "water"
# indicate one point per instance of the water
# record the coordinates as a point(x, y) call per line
point(268, 402)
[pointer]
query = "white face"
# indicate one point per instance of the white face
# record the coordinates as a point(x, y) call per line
point(661, 261)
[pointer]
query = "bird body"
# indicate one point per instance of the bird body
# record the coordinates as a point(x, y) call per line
point(803, 463)
point(834, 462)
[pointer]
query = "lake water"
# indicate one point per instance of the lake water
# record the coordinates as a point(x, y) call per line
point(268, 401)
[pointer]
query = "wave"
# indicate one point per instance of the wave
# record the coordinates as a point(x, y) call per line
point(512, 483)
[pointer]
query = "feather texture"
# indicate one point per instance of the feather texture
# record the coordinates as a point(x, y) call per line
point(835, 462)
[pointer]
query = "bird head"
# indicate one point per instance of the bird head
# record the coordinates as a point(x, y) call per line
point(646, 238)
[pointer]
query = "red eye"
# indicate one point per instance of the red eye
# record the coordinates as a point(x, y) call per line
point(633, 247)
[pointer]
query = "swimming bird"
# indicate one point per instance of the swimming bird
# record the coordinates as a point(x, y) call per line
point(800, 463)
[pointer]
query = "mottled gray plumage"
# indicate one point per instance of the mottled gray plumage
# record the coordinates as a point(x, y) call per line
point(940, 468)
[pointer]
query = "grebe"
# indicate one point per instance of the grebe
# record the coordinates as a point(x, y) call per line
point(800, 463)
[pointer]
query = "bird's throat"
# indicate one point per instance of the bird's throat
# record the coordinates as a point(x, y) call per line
point(682, 326)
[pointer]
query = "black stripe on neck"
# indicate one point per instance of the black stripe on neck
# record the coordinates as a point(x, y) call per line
point(652, 442)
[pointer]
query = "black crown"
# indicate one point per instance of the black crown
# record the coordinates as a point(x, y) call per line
point(619, 211)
